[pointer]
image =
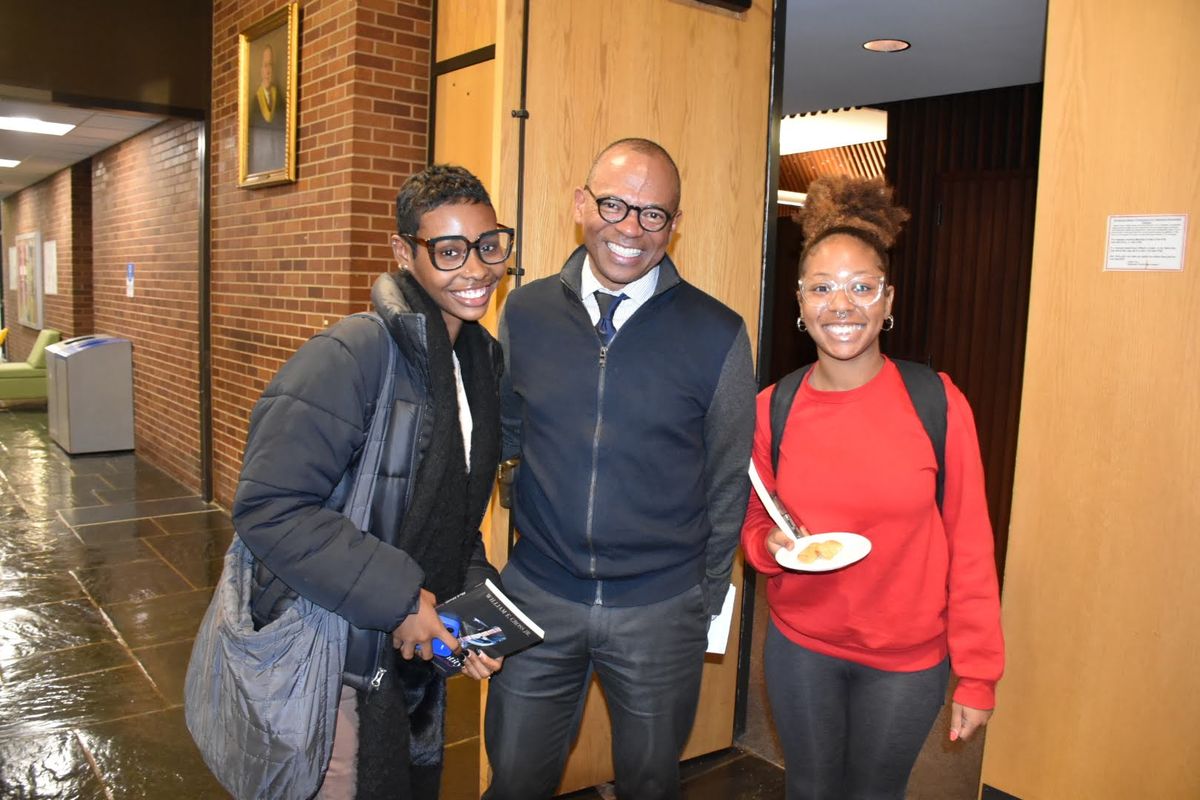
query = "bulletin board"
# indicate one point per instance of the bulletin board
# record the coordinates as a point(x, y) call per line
point(29, 279)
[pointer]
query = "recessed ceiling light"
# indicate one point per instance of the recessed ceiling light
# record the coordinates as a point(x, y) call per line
point(8, 162)
point(31, 125)
point(886, 45)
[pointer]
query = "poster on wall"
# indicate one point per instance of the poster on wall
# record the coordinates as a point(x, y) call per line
point(29, 279)
point(50, 267)
point(12, 269)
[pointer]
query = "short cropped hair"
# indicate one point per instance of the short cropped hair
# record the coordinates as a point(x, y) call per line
point(646, 147)
point(435, 186)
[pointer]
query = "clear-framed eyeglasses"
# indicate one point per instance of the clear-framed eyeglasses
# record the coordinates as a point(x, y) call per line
point(862, 291)
point(448, 253)
point(613, 209)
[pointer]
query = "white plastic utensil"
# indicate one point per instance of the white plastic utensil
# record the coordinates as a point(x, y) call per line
point(774, 507)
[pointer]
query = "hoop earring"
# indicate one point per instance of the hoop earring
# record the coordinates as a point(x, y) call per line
point(889, 322)
point(800, 326)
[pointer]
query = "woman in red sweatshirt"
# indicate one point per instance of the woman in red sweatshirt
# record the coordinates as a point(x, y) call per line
point(857, 659)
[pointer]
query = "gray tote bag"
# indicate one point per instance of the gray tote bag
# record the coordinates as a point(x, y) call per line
point(262, 705)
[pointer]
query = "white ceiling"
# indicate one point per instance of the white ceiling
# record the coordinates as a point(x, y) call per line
point(41, 155)
point(957, 46)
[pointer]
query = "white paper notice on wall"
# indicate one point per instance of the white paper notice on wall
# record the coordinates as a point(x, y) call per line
point(129, 280)
point(1146, 243)
point(50, 267)
point(12, 268)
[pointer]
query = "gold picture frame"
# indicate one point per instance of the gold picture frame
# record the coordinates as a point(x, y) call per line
point(267, 54)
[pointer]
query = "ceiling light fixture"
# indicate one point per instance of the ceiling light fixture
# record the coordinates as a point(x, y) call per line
point(886, 45)
point(8, 162)
point(805, 133)
point(31, 125)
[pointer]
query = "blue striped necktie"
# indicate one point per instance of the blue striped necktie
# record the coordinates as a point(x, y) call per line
point(608, 306)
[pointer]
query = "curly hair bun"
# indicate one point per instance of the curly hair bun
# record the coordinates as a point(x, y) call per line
point(842, 201)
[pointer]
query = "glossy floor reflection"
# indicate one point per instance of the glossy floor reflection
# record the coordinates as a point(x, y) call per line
point(105, 571)
point(106, 568)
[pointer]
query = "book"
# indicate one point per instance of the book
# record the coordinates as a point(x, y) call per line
point(486, 621)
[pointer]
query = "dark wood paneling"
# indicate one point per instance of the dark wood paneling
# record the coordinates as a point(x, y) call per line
point(928, 139)
point(965, 166)
point(789, 347)
point(980, 278)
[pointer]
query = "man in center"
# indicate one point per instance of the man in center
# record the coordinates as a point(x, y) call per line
point(629, 397)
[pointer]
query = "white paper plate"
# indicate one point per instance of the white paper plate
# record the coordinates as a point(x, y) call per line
point(854, 548)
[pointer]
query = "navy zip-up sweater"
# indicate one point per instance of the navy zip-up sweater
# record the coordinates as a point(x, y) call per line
point(632, 485)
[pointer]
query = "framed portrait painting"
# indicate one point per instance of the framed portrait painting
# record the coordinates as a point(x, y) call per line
point(29, 279)
point(267, 99)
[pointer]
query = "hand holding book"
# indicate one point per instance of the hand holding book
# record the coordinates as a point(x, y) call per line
point(422, 627)
point(490, 626)
point(479, 665)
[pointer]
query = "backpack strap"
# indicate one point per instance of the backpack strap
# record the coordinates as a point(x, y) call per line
point(358, 504)
point(928, 395)
point(781, 403)
point(925, 389)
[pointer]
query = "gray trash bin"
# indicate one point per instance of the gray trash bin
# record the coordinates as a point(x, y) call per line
point(90, 393)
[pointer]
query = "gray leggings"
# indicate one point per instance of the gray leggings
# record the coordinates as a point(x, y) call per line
point(848, 732)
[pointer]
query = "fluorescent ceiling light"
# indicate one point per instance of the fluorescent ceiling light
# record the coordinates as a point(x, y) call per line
point(886, 45)
point(787, 198)
point(8, 162)
point(808, 132)
point(31, 125)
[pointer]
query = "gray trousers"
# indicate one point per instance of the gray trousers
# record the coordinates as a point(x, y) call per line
point(649, 661)
point(341, 777)
point(848, 732)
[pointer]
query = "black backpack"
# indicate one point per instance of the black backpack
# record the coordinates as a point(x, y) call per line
point(925, 389)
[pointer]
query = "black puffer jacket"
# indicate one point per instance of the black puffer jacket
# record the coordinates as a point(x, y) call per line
point(305, 431)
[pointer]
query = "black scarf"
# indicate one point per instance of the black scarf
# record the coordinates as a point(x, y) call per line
point(405, 716)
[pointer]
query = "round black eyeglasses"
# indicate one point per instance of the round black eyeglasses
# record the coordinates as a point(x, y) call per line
point(613, 209)
point(448, 253)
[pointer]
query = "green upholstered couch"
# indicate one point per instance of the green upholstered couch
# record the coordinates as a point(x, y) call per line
point(26, 380)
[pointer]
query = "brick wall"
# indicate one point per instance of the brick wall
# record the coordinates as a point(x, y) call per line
point(80, 255)
point(289, 260)
point(50, 206)
point(145, 211)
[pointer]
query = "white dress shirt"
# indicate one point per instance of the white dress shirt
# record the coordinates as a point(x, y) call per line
point(636, 294)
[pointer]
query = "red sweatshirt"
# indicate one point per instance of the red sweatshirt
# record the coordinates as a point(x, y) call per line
point(860, 461)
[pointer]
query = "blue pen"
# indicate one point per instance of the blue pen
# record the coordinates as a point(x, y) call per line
point(455, 628)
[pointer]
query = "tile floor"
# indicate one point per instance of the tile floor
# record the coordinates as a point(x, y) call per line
point(106, 568)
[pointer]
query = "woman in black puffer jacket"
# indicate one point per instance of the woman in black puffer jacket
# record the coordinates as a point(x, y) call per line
point(440, 458)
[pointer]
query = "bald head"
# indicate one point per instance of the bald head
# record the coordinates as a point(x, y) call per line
point(644, 147)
